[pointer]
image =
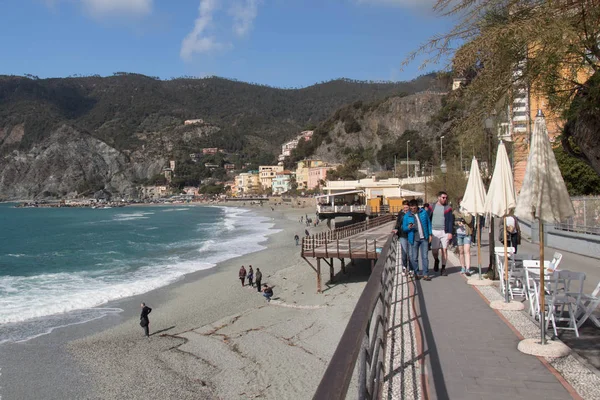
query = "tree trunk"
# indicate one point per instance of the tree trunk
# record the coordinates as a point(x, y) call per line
point(583, 124)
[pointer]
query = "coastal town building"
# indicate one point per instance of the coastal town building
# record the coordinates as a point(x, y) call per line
point(373, 192)
point(267, 174)
point(317, 175)
point(153, 191)
point(282, 182)
point(286, 148)
point(229, 167)
point(191, 191)
point(210, 150)
point(247, 183)
point(193, 121)
point(302, 170)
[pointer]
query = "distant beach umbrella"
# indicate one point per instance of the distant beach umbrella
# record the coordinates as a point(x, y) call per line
point(544, 195)
point(473, 202)
point(501, 199)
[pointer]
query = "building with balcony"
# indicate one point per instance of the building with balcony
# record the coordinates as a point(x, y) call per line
point(247, 183)
point(302, 170)
point(317, 175)
point(267, 174)
point(281, 182)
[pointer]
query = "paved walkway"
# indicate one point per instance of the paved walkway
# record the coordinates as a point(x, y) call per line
point(469, 352)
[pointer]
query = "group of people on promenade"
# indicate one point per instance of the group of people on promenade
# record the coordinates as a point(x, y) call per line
point(255, 279)
point(421, 228)
point(436, 227)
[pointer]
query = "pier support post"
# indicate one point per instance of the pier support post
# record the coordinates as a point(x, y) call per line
point(331, 270)
point(319, 275)
point(343, 260)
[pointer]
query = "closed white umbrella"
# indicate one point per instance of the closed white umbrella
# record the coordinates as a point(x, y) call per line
point(544, 195)
point(473, 202)
point(500, 199)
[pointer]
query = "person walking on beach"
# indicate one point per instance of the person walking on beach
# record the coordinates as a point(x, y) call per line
point(144, 321)
point(250, 275)
point(416, 225)
point(306, 231)
point(442, 225)
point(242, 275)
point(267, 292)
point(258, 279)
point(297, 239)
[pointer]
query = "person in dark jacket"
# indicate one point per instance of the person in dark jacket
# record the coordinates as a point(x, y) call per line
point(267, 292)
point(513, 232)
point(242, 275)
point(403, 237)
point(144, 321)
point(250, 275)
point(258, 279)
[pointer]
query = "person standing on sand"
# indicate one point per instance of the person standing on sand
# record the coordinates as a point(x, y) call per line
point(250, 275)
point(242, 275)
point(296, 238)
point(258, 279)
point(144, 321)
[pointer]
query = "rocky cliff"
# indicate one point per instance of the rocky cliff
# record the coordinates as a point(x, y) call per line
point(371, 128)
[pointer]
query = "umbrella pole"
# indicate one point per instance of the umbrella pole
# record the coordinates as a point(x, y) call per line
point(542, 285)
point(505, 264)
point(478, 245)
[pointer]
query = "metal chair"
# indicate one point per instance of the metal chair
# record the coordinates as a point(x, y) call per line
point(567, 299)
point(587, 306)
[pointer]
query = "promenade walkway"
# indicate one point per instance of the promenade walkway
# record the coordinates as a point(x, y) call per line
point(449, 344)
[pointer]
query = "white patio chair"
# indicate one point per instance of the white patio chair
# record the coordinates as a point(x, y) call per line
point(568, 299)
point(556, 259)
point(587, 306)
point(499, 251)
point(531, 269)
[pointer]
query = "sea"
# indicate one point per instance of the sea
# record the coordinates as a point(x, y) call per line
point(59, 266)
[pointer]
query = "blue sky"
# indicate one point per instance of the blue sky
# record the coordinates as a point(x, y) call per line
point(284, 43)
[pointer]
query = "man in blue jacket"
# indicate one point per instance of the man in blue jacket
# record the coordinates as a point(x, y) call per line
point(416, 225)
point(403, 237)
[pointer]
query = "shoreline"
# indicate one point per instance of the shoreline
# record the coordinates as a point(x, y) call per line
point(103, 355)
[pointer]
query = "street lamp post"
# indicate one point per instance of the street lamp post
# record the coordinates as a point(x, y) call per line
point(444, 169)
point(441, 148)
point(407, 165)
point(489, 126)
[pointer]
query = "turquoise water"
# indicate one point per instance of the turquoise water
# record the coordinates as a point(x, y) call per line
point(58, 266)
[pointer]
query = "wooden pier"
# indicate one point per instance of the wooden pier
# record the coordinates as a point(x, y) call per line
point(363, 240)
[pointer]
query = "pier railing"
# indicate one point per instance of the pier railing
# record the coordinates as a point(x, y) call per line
point(364, 338)
point(331, 239)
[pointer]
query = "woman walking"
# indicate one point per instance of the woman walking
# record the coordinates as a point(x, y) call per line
point(463, 224)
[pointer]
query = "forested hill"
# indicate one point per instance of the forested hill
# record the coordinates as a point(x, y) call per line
point(73, 136)
point(117, 109)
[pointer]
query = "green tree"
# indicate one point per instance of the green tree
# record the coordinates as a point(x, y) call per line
point(580, 178)
point(553, 43)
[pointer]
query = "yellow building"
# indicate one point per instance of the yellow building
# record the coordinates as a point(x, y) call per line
point(247, 183)
point(302, 171)
point(267, 173)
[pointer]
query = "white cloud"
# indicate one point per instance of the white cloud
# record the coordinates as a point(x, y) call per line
point(243, 14)
point(197, 41)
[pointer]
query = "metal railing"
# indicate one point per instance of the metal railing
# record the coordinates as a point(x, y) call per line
point(310, 243)
point(587, 216)
point(322, 208)
point(364, 337)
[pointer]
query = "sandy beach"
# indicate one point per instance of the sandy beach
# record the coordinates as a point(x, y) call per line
point(210, 338)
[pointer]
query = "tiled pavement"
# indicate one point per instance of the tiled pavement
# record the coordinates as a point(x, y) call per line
point(470, 353)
